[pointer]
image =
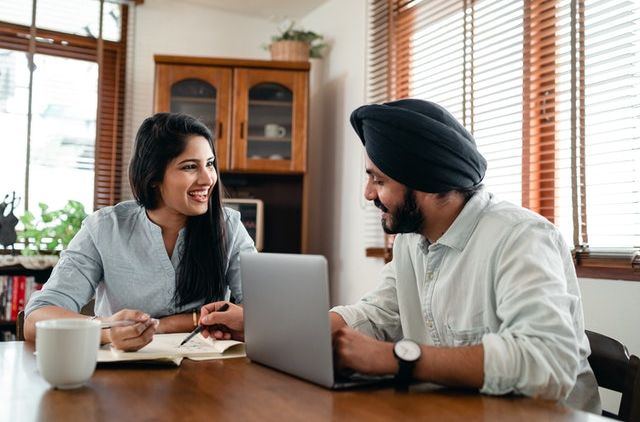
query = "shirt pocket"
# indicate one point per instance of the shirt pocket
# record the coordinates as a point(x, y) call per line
point(466, 331)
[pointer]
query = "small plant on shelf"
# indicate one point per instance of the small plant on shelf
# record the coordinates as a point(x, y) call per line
point(55, 230)
point(295, 44)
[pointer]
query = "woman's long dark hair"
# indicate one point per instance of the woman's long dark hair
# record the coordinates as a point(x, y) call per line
point(160, 139)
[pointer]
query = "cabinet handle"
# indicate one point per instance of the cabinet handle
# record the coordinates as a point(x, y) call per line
point(241, 130)
point(219, 130)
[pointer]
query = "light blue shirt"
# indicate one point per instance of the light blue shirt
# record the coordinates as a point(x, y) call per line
point(119, 256)
point(500, 276)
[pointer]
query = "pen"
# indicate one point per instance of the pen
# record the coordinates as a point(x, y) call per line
point(201, 327)
point(122, 323)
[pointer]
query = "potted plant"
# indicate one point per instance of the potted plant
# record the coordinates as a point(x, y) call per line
point(295, 44)
point(54, 232)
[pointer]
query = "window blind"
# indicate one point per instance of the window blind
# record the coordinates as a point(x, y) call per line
point(549, 90)
point(496, 90)
point(612, 119)
point(378, 90)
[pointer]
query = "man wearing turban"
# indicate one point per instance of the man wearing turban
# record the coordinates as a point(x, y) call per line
point(480, 293)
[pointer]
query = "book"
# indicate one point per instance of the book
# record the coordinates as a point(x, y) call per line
point(22, 289)
point(15, 292)
point(3, 296)
point(165, 348)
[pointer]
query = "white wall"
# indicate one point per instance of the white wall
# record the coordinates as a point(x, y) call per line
point(179, 28)
point(335, 154)
point(612, 307)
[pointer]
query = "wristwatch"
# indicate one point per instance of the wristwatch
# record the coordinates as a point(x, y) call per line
point(407, 352)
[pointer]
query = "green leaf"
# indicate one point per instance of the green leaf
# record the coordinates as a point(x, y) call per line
point(27, 218)
point(55, 229)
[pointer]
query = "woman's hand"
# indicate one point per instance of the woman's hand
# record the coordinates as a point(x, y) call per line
point(132, 337)
point(222, 324)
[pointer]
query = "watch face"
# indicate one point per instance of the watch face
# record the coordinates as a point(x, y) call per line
point(407, 350)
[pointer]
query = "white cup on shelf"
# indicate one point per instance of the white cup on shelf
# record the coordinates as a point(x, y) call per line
point(67, 351)
point(273, 130)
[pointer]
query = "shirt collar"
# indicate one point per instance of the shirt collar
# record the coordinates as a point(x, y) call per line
point(458, 234)
point(150, 225)
point(153, 227)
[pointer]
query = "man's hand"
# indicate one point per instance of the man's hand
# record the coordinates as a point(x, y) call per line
point(225, 325)
point(364, 354)
point(132, 337)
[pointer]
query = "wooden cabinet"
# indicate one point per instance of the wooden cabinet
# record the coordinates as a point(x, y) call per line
point(258, 113)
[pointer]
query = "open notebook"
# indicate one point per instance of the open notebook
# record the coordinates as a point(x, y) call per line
point(166, 348)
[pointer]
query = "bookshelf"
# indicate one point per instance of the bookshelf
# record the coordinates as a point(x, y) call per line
point(19, 277)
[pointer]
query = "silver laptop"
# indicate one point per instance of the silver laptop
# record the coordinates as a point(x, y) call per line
point(286, 303)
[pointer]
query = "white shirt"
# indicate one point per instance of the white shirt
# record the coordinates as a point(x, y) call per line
point(500, 276)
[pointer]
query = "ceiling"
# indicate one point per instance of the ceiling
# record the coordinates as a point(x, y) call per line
point(273, 10)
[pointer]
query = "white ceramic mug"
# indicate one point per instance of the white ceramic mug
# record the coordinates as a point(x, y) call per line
point(67, 350)
point(273, 130)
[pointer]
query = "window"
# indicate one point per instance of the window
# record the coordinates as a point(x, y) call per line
point(62, 101)
point(551, 91)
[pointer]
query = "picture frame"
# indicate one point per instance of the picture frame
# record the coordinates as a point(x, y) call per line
point(252, 217)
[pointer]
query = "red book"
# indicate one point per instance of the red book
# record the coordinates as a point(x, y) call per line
point(22, 287)
point(14, 296)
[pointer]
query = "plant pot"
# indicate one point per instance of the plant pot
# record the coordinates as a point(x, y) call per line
point(294, 51)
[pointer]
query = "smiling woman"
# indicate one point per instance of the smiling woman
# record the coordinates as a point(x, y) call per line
point(162, 256)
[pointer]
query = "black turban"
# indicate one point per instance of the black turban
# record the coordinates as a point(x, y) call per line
point(419, 144)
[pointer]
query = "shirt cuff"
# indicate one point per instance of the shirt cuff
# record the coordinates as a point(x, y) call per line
point(348, 316)
point(355, 319)
point(497, 363)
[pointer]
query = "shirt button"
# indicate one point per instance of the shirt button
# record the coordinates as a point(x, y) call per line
point(430, 324)
point(430, 275)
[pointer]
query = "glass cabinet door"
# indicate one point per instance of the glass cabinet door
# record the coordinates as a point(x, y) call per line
point(204, 93)
point(270, 123)
point(196, 98)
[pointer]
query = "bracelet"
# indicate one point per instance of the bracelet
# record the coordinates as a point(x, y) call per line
point(195, 317)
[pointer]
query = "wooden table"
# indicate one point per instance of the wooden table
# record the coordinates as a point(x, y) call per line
point(238, 390)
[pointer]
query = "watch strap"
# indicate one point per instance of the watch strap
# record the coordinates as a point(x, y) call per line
point(405, 374)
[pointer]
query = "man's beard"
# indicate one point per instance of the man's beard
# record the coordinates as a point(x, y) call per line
point(407, 218)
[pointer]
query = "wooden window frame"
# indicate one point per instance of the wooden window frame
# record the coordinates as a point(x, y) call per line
point(111, 58)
